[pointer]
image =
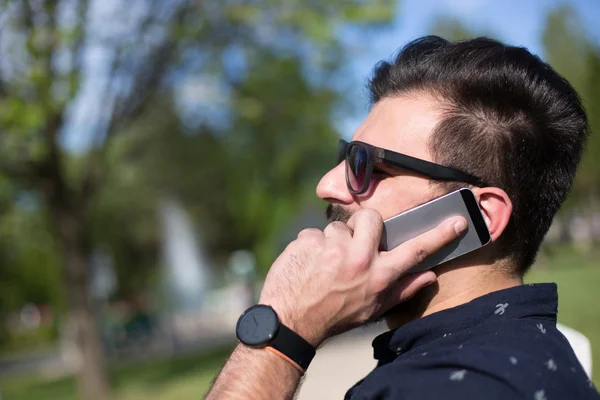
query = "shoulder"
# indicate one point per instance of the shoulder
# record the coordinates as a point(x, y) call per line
point(431, 378)
point(528, 364)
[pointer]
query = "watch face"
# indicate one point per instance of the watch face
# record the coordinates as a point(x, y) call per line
point(257, 325)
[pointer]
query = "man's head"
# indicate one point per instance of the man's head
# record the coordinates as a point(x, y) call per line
point(493, 111)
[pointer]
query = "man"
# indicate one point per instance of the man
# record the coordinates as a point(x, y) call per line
point(468, 328)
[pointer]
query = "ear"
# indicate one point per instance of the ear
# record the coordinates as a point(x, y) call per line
point(496, 208)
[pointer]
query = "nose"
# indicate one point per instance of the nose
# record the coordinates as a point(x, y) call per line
point(332, 187)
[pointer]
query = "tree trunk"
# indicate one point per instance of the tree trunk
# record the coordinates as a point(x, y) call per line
point(92, 375)
point(66, 209)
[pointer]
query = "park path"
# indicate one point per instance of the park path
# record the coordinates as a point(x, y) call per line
point(339, 364)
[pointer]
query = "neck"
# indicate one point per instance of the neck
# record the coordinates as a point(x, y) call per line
point(457, 284)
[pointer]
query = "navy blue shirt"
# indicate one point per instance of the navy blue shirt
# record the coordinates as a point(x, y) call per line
point(504, 345)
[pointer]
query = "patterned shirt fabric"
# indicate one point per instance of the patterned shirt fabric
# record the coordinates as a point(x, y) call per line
point(504, 345)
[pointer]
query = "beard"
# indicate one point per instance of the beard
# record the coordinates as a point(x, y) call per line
point(401, 313)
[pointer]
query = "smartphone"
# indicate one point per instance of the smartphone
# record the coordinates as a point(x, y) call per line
point(418, 220)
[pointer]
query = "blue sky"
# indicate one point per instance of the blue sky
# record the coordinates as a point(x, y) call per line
point(517, 22)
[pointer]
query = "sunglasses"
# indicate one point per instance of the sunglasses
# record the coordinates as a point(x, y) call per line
point(362, 159)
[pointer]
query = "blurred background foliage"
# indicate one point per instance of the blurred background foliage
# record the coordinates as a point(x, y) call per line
point(108, 108)
point(243, 154)
point(223, 105)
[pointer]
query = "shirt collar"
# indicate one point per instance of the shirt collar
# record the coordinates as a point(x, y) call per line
point(531, 300)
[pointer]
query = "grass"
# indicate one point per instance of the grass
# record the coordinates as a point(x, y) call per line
point(176, 378)
point(577, 276)
point(33, 341)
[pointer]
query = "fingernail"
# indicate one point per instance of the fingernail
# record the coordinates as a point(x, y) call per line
point(460, 226)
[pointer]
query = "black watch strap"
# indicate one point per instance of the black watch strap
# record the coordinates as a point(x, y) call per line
point(294, 346)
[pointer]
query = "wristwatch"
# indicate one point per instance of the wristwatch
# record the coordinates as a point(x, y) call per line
point(259, 326)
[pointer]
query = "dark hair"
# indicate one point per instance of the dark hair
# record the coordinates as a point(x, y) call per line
point(508, 118)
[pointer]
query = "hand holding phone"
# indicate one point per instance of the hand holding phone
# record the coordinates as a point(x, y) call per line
point(418, 220)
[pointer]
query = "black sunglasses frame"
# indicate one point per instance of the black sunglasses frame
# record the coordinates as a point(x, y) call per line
point(391, 158)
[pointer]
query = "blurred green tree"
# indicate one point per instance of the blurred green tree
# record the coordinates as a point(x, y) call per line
point(117, 77)
point(28, 265)
point(573, 55)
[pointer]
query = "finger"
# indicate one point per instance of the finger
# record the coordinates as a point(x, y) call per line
point(367, 225)
point(397, 262)
point(310, 232)
point(338, 229)
point(407, 287)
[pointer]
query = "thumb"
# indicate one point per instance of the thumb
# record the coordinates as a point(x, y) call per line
point(399, 261)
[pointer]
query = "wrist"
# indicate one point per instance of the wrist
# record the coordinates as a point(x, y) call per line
point(299, 321)
point(261, 326)
point(305, 329)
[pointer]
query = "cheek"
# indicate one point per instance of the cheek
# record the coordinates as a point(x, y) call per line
point(393, 196)
point(373, 184)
